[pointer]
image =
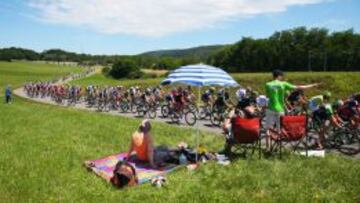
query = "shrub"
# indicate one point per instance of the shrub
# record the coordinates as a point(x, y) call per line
point(106, 70)
point(125, 69)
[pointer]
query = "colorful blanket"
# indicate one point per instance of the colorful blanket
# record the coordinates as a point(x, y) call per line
point(104, 168)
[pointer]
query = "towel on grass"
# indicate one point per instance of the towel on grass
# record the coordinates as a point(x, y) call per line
point(104, 168)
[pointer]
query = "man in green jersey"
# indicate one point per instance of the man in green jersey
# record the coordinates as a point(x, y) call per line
point(276, 92)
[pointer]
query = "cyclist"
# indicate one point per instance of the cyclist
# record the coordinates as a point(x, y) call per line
point(208, 97)
point(222, 101)
point(176, 99)
point(296, 102)
point(261, 104)
point(323, 116)
point(158, 93)
point(349, 112)
point(189, 95)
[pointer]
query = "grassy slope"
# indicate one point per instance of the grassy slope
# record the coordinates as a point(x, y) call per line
point(100, 79)
point(43, 148)
point(342, 84)
point(17, 73)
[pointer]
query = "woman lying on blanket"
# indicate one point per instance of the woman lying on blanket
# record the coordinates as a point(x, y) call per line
point(142, 144)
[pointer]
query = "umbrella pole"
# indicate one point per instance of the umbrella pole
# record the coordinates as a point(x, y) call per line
point(197, 126)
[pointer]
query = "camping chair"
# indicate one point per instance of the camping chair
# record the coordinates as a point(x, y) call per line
point(293, 131)
point(245, 135)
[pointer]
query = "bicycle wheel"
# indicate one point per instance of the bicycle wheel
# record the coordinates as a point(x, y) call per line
point(140, 111)
point(106, 106)
point(165, 111)
point(192, 107)
point(215, 118)
point(152, 113)
point(100, 106)
point(134, 108)
point(124, 107)
point(335, 139)
point(203, 113)
point(174, 117)
point(190, 118)
point(350, 135)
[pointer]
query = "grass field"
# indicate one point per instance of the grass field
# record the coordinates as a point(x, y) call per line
point(342, 84)
point(17, 73)
point(43, 148)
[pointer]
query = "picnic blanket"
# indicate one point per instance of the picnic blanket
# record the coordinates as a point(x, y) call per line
point(104, 168)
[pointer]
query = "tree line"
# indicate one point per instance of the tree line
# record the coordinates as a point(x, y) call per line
point(58, 55)
point(298, 49)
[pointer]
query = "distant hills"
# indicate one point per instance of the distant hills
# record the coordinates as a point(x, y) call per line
point(202, 52)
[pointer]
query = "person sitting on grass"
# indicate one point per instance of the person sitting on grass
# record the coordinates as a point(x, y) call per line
point(142, 144)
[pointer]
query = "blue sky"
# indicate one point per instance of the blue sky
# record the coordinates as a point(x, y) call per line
point(131, 27)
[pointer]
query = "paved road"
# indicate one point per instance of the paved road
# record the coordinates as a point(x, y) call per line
point(203, 125)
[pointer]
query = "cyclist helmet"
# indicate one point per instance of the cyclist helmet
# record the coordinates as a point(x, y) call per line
point(327, 94)
point(338, 103)
point(356, 97)
point(353, 104)
point(262, 101)
point(221, 92)
point(241, 93)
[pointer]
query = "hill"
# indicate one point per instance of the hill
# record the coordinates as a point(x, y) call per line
point(202, 52)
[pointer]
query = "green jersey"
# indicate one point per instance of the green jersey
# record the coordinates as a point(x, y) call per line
point(275, 91)
point(317, 101)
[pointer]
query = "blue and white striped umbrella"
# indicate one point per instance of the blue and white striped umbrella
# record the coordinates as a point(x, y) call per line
point(200, 75)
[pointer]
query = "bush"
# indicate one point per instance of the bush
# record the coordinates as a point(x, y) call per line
point(106, 70)
point(125, 69)
point(136, 75)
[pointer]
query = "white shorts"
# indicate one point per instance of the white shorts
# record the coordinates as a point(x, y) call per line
point(272, 118)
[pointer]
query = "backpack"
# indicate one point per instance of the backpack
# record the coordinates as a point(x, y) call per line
point(124, 175)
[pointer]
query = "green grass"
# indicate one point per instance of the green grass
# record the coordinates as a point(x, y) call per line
point(17, 73)
point(100, 79)
point(43, 148)
point(341, 84)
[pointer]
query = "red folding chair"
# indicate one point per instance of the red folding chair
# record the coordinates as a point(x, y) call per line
point(293, 131)
point(245, 135)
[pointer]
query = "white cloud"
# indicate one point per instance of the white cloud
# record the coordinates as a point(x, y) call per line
point(154, 17)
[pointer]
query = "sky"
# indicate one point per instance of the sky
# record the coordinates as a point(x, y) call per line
point(136, 26)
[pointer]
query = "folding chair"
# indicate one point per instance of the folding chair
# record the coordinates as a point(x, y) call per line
point(245, 135)
point(293, 131)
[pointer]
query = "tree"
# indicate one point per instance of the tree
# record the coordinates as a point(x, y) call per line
point(293, 50)
point(125, 68)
